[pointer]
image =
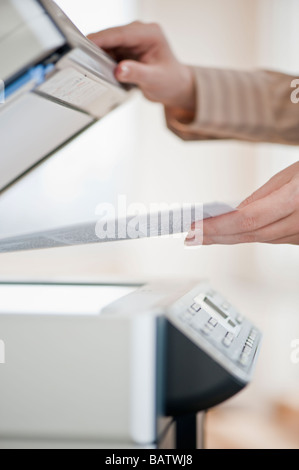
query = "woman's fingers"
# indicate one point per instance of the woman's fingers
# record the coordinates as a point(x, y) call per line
point(137, 35)
point(129, 71)
point(259, 214)
point(271, 219)
point(112, 38)
point(282, 229)
point(146, 59)
point(276, 182)
point(293, 240)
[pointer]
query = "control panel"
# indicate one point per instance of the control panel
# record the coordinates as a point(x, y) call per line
point(221, 346)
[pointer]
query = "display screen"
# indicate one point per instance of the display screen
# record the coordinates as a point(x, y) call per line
point(60, 299)
point(214, 307)
point(225, 316)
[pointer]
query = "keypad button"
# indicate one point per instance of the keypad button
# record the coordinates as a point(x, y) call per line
point(228, 339)
point(253, 334)
point(191, 311)
point(247, 350)
point(196, 307)
point(244, 359)
point(213, 322)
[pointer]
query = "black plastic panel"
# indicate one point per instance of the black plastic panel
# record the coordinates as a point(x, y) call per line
point(193, 380)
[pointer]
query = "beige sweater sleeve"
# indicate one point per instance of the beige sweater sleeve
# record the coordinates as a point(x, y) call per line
point(254, 106)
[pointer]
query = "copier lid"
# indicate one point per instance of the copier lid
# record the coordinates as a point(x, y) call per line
point(56, 84)
point(27, 35)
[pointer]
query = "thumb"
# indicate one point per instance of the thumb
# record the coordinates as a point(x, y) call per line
point(131, 71)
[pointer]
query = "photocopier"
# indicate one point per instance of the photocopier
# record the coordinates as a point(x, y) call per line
point(117, 366)
point(113, 366)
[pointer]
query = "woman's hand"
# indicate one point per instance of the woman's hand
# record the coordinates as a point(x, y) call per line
point(270, 215)
point(145, 59)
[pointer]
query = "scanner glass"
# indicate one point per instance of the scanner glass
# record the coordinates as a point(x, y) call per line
point(61, 299)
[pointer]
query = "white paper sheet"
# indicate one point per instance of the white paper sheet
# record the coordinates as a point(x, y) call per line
point(110, 230)
point(78, 90)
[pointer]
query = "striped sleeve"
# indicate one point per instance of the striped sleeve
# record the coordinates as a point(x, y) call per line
point(254, 106)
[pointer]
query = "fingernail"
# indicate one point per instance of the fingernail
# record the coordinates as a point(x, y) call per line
point(123, 71)
point(194, 238)
point(190, 235)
